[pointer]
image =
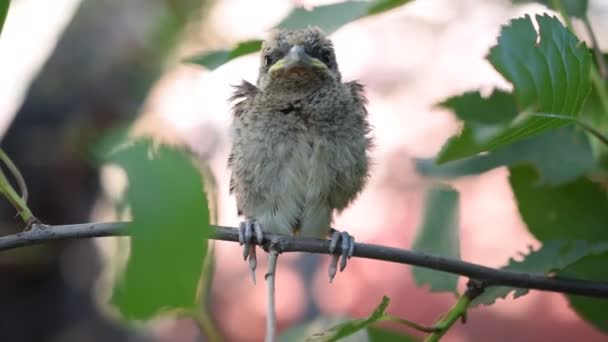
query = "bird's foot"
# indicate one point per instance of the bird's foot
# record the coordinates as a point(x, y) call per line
point(247, 230)
point(347, 246)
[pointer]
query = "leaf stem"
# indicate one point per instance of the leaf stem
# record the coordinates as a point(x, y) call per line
point(16, 174)
point(410, 324)
point(596, 48)
point(9, 192)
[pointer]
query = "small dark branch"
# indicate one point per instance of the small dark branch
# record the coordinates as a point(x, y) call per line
point(475, 288)
point(489, 276)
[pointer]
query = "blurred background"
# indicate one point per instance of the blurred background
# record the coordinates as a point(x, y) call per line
point(74, 71)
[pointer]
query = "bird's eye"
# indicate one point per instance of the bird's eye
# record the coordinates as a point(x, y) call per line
point(267, 60)
point(325, 56)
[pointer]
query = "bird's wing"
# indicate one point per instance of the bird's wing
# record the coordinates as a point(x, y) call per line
point(243, 95)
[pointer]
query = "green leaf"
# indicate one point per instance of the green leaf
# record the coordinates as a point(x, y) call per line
point(552, 76)
point(4, 5)
point(438, 235)
point(350, 327)
point(591, 309)
point(214, 59)
point(574, 8)
point(574, 211)
point(169, 231)
point(331, 17)
point(577, 210)
point(549, 77)
point(553, 256)
point(573, 158)
point(327, 17)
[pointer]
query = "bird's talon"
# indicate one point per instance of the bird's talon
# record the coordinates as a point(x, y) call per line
point(347, 246)
point(246, 250)
point(351, 247)
point(242, 228)
point(247, 230)
point(333, 267)
point(259, 234)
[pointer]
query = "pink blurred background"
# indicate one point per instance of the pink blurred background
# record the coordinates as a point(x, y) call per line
point(409, 59)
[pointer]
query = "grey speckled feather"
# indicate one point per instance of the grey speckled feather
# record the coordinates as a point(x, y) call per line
point(301, 140)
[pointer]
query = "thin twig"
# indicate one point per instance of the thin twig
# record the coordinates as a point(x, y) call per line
point(271, 320)
point(490, 276)
point(601, 63)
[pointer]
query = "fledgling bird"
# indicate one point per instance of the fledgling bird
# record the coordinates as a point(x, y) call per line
point(301, 143)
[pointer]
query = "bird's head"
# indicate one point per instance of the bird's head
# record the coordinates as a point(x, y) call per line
point(297, 61)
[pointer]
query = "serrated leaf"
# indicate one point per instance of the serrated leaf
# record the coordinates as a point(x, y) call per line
point(331, 17)
point(350, 327)
point(576, 211)
point(551, 76)
point(573, 158)
point(169, 231)
point(593, 310)
point(214, 59)
point(327, 17)
point(574, 8)
point(553, 256)
point(439, 235)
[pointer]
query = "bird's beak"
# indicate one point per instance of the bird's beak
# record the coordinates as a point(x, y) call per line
point(297, 57)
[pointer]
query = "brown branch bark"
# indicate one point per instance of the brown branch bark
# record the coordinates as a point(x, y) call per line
point(282, 243)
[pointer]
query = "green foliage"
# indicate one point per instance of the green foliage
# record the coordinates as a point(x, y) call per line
point(331, 17)
point(592, 267)
point(549, 166)
point(350, 327)
point(555, 165)
point(553, 256)
point(169, 231)
point(438, 235)
point(577, 210)
point(574, 8)
point(4, 5)
point(574, 211)
point(217, 58)
point(327, 17)
point(357, 326)
point(549, 77)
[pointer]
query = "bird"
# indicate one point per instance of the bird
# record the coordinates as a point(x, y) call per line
point(301, 144)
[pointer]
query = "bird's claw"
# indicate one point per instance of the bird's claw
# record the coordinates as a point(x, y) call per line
point(347, 247)
point(247, 230)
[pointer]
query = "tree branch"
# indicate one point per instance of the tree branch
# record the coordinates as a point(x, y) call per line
point(490, 276)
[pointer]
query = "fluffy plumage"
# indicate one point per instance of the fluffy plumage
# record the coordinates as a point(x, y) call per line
point(301, 139)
